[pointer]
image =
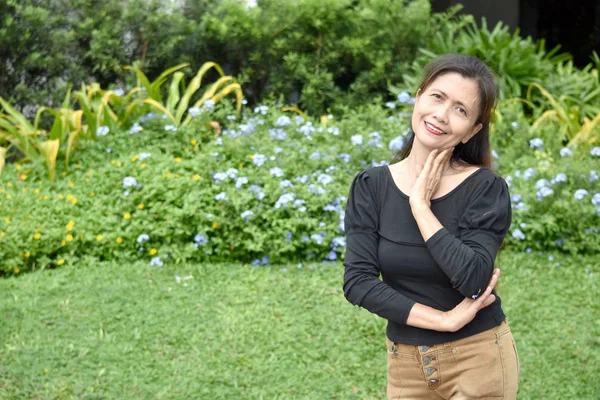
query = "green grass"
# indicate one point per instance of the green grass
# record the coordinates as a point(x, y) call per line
point(114, 331)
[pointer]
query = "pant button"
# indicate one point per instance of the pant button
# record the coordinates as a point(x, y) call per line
point(433, 381)
point(424, 348)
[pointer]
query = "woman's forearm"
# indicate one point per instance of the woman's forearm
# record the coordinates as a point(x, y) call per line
point(426, 220)
point(422, 316)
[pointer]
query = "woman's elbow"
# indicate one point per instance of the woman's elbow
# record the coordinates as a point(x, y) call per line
point(474, 280)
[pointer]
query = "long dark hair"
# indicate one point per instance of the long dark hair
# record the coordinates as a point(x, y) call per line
point(477, 150)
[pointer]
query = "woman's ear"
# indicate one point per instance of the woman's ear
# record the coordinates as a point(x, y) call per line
point(476, 129)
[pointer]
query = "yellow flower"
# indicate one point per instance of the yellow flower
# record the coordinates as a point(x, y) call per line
point(2, 234)
point(143, 165)
point(153, 252)
point(126, 215)
point(193, 142)
point(71, 183)
point(8, 196)
point(135, 158)
point(141, 206)
point(18, 166)
point(92, 194)
point(240, 165)
point(64, 173)
point(186, 150)
point(69, 237)
point(237, 140)
point(252, 156)
point(37, 236)
point(70, 225)
point(46, 197)
point(215, 225)
point(9, 184)
point(169, 175)
point(36, 191)
point(7, 220)
point(71, 199)
point(196, 177)
point(17, 270)
point(113, 162)
point(119, 163)
point(99, 237)
point(62, 242)
point(60, 197)
point(23, 177)
point(60, 262)
point(119, 240)
point(177, 159)
point(27, 254)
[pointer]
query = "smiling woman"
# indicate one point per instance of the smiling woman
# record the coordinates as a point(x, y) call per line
point(431, 225)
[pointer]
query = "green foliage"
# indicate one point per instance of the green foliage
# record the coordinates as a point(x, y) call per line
point(48, 45)
point(179, 190)
point(547, 211)
point(517, 61)
point(271, 185)
point(318, 54)
point(97, 110)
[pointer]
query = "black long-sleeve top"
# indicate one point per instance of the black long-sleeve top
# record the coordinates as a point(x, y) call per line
point(383, 238)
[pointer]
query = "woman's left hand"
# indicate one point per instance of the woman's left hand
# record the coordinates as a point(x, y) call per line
point(428, 177)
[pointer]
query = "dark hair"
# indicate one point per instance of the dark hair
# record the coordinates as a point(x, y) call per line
point(477, 150)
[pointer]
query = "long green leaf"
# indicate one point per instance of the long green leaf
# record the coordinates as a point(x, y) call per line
point(18, 117)
point(193, 87)
point(174, 95)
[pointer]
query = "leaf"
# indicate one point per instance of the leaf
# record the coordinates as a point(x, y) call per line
point(193, 87)
point(174, 95)
point(161, 108)
point(2, 157)
point(49, 149)
point(17, 116)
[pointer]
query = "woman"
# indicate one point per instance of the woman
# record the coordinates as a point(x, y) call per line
point(431, 225)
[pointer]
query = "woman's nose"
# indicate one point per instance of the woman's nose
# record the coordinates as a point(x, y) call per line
point(441, 114)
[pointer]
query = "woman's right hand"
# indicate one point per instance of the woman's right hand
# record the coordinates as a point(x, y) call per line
point(466, 310)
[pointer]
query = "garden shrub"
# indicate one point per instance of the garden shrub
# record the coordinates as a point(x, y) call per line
point(47, 46)
point(178, 186)
point(270, 189)
point(517, 61)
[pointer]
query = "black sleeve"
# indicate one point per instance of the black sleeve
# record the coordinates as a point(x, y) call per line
point(469, 259)
point(362, 286)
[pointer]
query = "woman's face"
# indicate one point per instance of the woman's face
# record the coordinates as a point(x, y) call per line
point(446, 111)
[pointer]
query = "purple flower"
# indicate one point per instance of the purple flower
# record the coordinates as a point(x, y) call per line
point(565, 152)
point(580, 194)
point(518, 234)
point(536, 143)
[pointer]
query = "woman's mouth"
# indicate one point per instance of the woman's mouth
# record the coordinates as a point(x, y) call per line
point(434, 129)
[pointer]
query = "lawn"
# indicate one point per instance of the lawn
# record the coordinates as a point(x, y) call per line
point(110, 331)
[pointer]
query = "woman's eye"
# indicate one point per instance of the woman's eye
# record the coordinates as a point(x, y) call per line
point(462, 111)
point(437, 96)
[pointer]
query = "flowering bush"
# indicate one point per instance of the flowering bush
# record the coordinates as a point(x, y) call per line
point(270, 189)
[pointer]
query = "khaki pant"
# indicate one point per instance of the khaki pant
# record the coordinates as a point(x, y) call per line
point(483, 366)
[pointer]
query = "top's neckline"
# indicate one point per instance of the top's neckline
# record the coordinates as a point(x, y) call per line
point(450, 193)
